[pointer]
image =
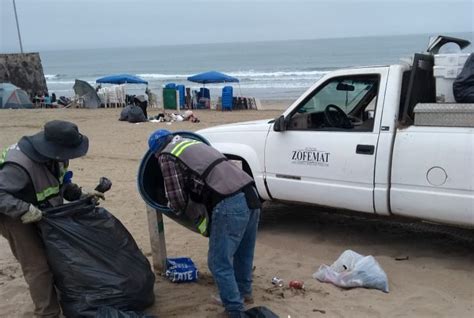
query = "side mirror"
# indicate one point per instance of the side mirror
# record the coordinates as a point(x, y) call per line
point(279, 124)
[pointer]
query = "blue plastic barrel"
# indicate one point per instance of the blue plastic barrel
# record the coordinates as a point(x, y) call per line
point(170, 85)
point(227, 97)
point(151, 186)
point(182, 98)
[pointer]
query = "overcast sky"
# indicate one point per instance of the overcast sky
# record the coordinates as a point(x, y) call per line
point(72, 24)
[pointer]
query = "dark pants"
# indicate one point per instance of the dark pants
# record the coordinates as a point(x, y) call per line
point(143, 106)
point(27, 247)
point(231, 249)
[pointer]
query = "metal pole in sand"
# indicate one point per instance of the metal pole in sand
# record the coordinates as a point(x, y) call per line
point(157, 239)
point(17, 27)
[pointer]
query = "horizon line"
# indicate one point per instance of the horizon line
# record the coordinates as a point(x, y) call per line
point(243, 42)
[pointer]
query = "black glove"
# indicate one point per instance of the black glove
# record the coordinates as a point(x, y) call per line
point(104, 185)
point(71, 192)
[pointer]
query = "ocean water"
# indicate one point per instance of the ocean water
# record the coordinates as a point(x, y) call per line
point(266, 70)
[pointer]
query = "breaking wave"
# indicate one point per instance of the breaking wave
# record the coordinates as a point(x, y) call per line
point(244, 75)
point(50, 76)
point(163, 76)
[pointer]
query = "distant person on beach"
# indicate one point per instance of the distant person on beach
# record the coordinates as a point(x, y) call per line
point(47, 101)
point(33, 177)
point(141, 102)
point(151, 97)
point(221, 200)
point(37, 99)
point(189, 116)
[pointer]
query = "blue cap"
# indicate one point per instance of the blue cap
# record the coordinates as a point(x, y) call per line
point(157, 139)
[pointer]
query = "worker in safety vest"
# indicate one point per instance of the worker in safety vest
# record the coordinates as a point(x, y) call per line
point(222, 201)
point(33, 176)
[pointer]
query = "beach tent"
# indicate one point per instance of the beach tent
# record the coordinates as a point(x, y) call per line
point(121, 79)
point(13, 97)
point(87, 94)
point(212, 77)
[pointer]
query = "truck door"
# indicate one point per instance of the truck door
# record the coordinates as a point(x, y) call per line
point(325, 154)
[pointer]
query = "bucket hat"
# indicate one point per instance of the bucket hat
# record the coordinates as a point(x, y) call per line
point(27, 148)
point(60, 140)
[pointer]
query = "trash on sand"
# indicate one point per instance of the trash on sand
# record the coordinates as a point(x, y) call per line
point(277, 281)
point(296, 284)
point(189, 116)
point(354, 270)
point(180, 270)
point(176, 117)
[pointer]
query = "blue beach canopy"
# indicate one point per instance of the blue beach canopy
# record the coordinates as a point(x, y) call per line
point(121, 79)
point(212, 77)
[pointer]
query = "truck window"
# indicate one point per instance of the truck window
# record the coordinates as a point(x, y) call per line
point(421, 86)
point(403, 93)
point(346, 103)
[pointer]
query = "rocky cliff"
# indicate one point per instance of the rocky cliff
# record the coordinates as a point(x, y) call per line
point(24, 71)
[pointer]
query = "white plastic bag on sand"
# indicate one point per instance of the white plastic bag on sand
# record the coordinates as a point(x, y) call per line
point(354, 270)
point(177, 117)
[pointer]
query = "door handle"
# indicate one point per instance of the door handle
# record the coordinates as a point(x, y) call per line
point(365, 149)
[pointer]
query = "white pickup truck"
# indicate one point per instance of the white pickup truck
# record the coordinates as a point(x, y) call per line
point(353, 141)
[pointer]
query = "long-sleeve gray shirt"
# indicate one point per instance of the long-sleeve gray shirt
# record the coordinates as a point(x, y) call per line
point(13, 182)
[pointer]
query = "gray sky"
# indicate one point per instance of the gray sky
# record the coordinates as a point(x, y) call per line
point(72, 24)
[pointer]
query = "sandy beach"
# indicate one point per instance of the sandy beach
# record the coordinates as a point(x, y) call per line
point(434, 279)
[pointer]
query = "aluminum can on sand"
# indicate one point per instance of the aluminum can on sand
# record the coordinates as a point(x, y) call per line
point(296, 284)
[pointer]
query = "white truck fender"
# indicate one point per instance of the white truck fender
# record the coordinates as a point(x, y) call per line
point(249, 155)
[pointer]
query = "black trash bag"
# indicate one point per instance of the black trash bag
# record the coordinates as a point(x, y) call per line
point(94, 260)
point(124, 113)
point(463, 86)
point(109, 312)
point(260, 312)
point(135, 115)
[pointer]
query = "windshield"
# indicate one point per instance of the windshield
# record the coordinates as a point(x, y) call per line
point(344, 93)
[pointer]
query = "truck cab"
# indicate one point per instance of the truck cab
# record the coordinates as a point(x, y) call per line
point(327, 142)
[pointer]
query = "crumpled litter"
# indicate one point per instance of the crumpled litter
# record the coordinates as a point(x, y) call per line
point(181, 269)
point(174, 117)
point(354, 270)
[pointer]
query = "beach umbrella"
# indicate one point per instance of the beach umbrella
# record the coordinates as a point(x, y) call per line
point(87, 93)
point(121, 79)
point(212, 77)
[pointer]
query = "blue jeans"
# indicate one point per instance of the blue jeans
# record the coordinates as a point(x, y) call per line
point(231, 248)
